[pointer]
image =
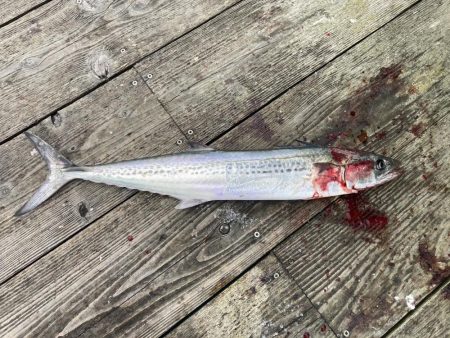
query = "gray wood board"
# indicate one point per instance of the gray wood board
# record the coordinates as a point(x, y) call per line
point(264, 302)
point(381, 93)
point(12, 9)
point(97, 270)
point(231, 66)
point(116, 122)
point(430, 319)
point(360, 280)
point(61, 50)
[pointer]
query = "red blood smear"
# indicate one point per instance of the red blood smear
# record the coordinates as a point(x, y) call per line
point(327, 174)
point(352, 113)
point(360, 216)
point(130, 238)
point(339, 155)
point(306, 335)
point(380, 135)
point(328, 33)
point(323, 328)
point(418, 129)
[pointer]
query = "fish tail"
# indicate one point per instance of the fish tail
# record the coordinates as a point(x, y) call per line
point(56, 178)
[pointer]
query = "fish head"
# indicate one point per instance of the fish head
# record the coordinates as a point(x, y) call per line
point(363, 170)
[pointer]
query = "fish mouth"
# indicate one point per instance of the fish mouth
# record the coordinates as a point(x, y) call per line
point(393, 174)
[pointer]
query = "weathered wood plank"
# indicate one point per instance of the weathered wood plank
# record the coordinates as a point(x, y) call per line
point(101, 127)
point(361, 275)
point(97, 274)
point(430, 320)
point(386, 92)
point(237, 62)
point(12, 9)
point(264, 302)
point(61, 50)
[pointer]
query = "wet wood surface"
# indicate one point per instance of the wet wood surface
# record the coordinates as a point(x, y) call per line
point(103, 261)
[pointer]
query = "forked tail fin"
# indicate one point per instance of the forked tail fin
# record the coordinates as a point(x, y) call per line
point(55, 179)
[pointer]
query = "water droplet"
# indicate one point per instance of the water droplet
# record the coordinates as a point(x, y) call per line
point(257, 234)
point(276, 275)
point(346, 333)
point(149, 76)
point(179, 142)
point(134, 83)
point(123, 50)
point(190, 132)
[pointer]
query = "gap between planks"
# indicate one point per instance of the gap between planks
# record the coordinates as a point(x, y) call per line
point(418, 307)
point(220, 135)
point(112, 77)
point(276, 97)
point(18, 16)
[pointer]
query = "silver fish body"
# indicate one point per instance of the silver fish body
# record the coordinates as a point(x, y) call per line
point(281, 174)
point(206, 174)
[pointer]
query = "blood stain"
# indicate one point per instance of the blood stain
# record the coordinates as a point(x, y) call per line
point(362, 137)
point(306, 335)
point(328, 33)
point(323, 328)
point(353, 113)
point(418, 129)
point(130, 238)
point(446, 292)
point(381, 135)
point(339, 155)
point(430, 263)
point(361, 216)
point(412, 90)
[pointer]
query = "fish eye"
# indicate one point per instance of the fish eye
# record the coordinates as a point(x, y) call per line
point(380, 164)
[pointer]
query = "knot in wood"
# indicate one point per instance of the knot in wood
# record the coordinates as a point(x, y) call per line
point(100, 65)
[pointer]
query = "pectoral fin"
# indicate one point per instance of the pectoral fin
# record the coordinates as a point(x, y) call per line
point(184, 204)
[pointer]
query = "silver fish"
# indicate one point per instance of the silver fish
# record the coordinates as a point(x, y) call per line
point(205, 174)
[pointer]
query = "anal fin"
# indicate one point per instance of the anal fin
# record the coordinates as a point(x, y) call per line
point(184, 204)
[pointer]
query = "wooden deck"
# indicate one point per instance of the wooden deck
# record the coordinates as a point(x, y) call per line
point(112, 80)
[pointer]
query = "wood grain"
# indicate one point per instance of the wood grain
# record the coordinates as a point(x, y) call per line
point(264, 302)
point(237, 62)
point(12, 9)
point(430, 319)
point(194, 279)
point(63, 49)
point(177, 260)
point(361, 276)
point(99, 128)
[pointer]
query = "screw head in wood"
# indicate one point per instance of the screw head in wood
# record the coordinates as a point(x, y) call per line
point(224, 229)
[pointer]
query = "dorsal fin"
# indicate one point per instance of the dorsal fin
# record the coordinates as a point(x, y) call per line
point(195, 146)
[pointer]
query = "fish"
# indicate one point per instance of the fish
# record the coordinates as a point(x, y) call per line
point(204, 174)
